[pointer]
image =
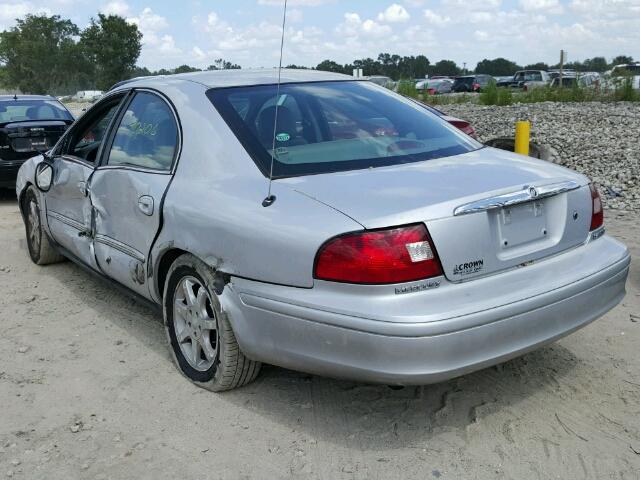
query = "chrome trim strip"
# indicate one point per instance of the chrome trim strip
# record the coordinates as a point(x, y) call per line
point(121, 247)
point(66, 220)
point(527, 194)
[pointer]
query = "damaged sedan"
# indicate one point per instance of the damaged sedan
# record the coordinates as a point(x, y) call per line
point(322, 224)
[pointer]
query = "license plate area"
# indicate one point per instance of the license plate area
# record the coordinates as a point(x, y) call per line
point(30, 144)
point(522, 224)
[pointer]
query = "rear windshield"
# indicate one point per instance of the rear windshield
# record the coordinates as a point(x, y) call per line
point(334, 126)
point(464, 80)
point(29, 110)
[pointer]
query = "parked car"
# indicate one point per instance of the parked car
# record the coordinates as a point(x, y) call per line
point(28, 124)
point(460, 124)
point(434, 87)
point(87, 95)
point(581, 80)
point(501, 79)
point(533, 78)
point(389, 247)
point(381, 80)
point(471, 83)
point(618, 73)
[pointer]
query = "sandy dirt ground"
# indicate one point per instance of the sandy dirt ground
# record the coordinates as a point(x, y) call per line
point(88, 391)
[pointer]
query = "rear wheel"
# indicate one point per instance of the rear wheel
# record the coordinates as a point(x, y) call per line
point(202, 341)
point(41, 250)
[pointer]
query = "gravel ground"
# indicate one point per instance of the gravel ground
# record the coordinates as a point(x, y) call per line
point(88, 391)
point(597, 139)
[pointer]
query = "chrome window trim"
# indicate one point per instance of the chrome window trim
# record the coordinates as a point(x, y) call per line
point(60, 144)
point(526, 194)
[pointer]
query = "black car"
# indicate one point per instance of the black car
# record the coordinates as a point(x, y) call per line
point(471, 83)
point(28, 124)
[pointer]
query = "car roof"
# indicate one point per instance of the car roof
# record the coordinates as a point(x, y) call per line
point(13, 98)
point(240, 78)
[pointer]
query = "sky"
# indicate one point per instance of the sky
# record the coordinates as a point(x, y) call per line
point(247, 32)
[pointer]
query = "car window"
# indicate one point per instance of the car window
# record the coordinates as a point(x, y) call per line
point(147, 135)
point(87, 137)
point(334, 126)
point(32, 110)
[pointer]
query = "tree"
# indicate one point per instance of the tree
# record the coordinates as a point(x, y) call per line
point(330, 66)
point(445, 67)
point(537, 66)
point(40, 54)
point(113, 46)
point(498, 66)
point(185, 69)
point(221, 64)
point(595, 64)
point(621, 60)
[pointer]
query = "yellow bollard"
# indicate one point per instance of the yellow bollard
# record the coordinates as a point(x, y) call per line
point(523, 130)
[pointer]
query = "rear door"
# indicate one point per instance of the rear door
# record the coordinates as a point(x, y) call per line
point(128, 188)
point(69, 213)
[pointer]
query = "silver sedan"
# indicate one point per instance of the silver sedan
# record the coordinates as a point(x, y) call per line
point(326, 225)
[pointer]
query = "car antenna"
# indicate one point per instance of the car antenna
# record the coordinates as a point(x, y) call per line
point(268, 201)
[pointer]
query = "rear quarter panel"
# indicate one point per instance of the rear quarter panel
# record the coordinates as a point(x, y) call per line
point(213, 206)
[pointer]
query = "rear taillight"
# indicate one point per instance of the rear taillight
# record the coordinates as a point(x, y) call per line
point(597, 213)
point(395, 255)
point(464, 126)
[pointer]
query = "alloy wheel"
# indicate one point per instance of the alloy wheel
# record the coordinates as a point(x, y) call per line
point(195, 324)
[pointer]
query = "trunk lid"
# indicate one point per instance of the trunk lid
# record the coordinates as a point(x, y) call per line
point(20, 140)
point(475, 244)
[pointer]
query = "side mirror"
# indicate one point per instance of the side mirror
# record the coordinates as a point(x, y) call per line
point(44, 176)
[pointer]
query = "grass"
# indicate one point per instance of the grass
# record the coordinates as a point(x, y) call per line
point(407, 88)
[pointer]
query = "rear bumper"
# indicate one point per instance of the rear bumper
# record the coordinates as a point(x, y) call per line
point(9, 172)
point(295, 334)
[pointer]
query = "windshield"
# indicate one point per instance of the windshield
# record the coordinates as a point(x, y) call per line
point(32, 110)
point(334, 126)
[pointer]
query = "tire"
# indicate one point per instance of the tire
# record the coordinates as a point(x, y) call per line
point(210, 358)
point(41, 250)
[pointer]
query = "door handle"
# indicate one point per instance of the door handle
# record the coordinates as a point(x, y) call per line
point(84, 189)
point(145, 204)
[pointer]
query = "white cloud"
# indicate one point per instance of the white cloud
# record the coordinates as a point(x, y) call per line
point(198, 53)
point(436, 19)
point(295, 16)
point(10, 11)
point(294, 3)
point(149, 22)
point(394, 14)
point(549, 6)
point(353, 26)
point(116, 7)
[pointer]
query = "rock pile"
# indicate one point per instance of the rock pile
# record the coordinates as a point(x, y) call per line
point(601, 140)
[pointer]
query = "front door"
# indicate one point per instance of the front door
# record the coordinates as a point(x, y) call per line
point(68, 207)
point(128, 187)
